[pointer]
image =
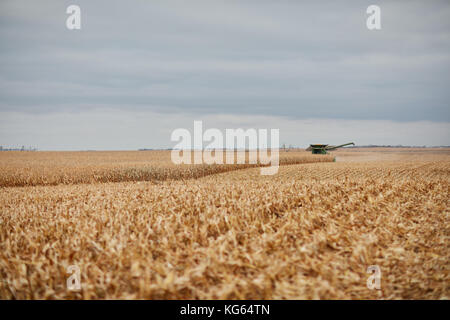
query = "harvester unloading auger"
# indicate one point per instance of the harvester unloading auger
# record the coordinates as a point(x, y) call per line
point(324, 148)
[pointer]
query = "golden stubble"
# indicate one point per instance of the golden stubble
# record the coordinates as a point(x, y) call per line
point(309, 232)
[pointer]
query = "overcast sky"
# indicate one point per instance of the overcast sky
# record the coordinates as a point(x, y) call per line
point(137, 70)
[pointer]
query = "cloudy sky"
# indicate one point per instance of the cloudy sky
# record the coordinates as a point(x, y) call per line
point(137, 70)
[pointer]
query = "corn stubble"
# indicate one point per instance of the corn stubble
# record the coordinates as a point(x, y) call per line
point(308, 232)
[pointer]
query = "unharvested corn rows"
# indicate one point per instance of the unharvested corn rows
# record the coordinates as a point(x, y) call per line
point(53, 168)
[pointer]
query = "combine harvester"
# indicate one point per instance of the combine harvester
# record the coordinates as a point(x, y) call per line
point(324, 148)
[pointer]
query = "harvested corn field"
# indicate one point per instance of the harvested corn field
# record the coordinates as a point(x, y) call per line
point(309, 232)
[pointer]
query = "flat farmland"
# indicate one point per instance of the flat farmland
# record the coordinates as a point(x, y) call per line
point(55, 168)
point(308, 232)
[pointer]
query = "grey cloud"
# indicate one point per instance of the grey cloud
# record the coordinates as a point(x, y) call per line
point(292, 59)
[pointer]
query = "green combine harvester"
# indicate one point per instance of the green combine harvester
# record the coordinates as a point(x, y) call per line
point(324, 148)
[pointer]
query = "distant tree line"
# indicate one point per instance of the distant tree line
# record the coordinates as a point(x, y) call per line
point(23, 148)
